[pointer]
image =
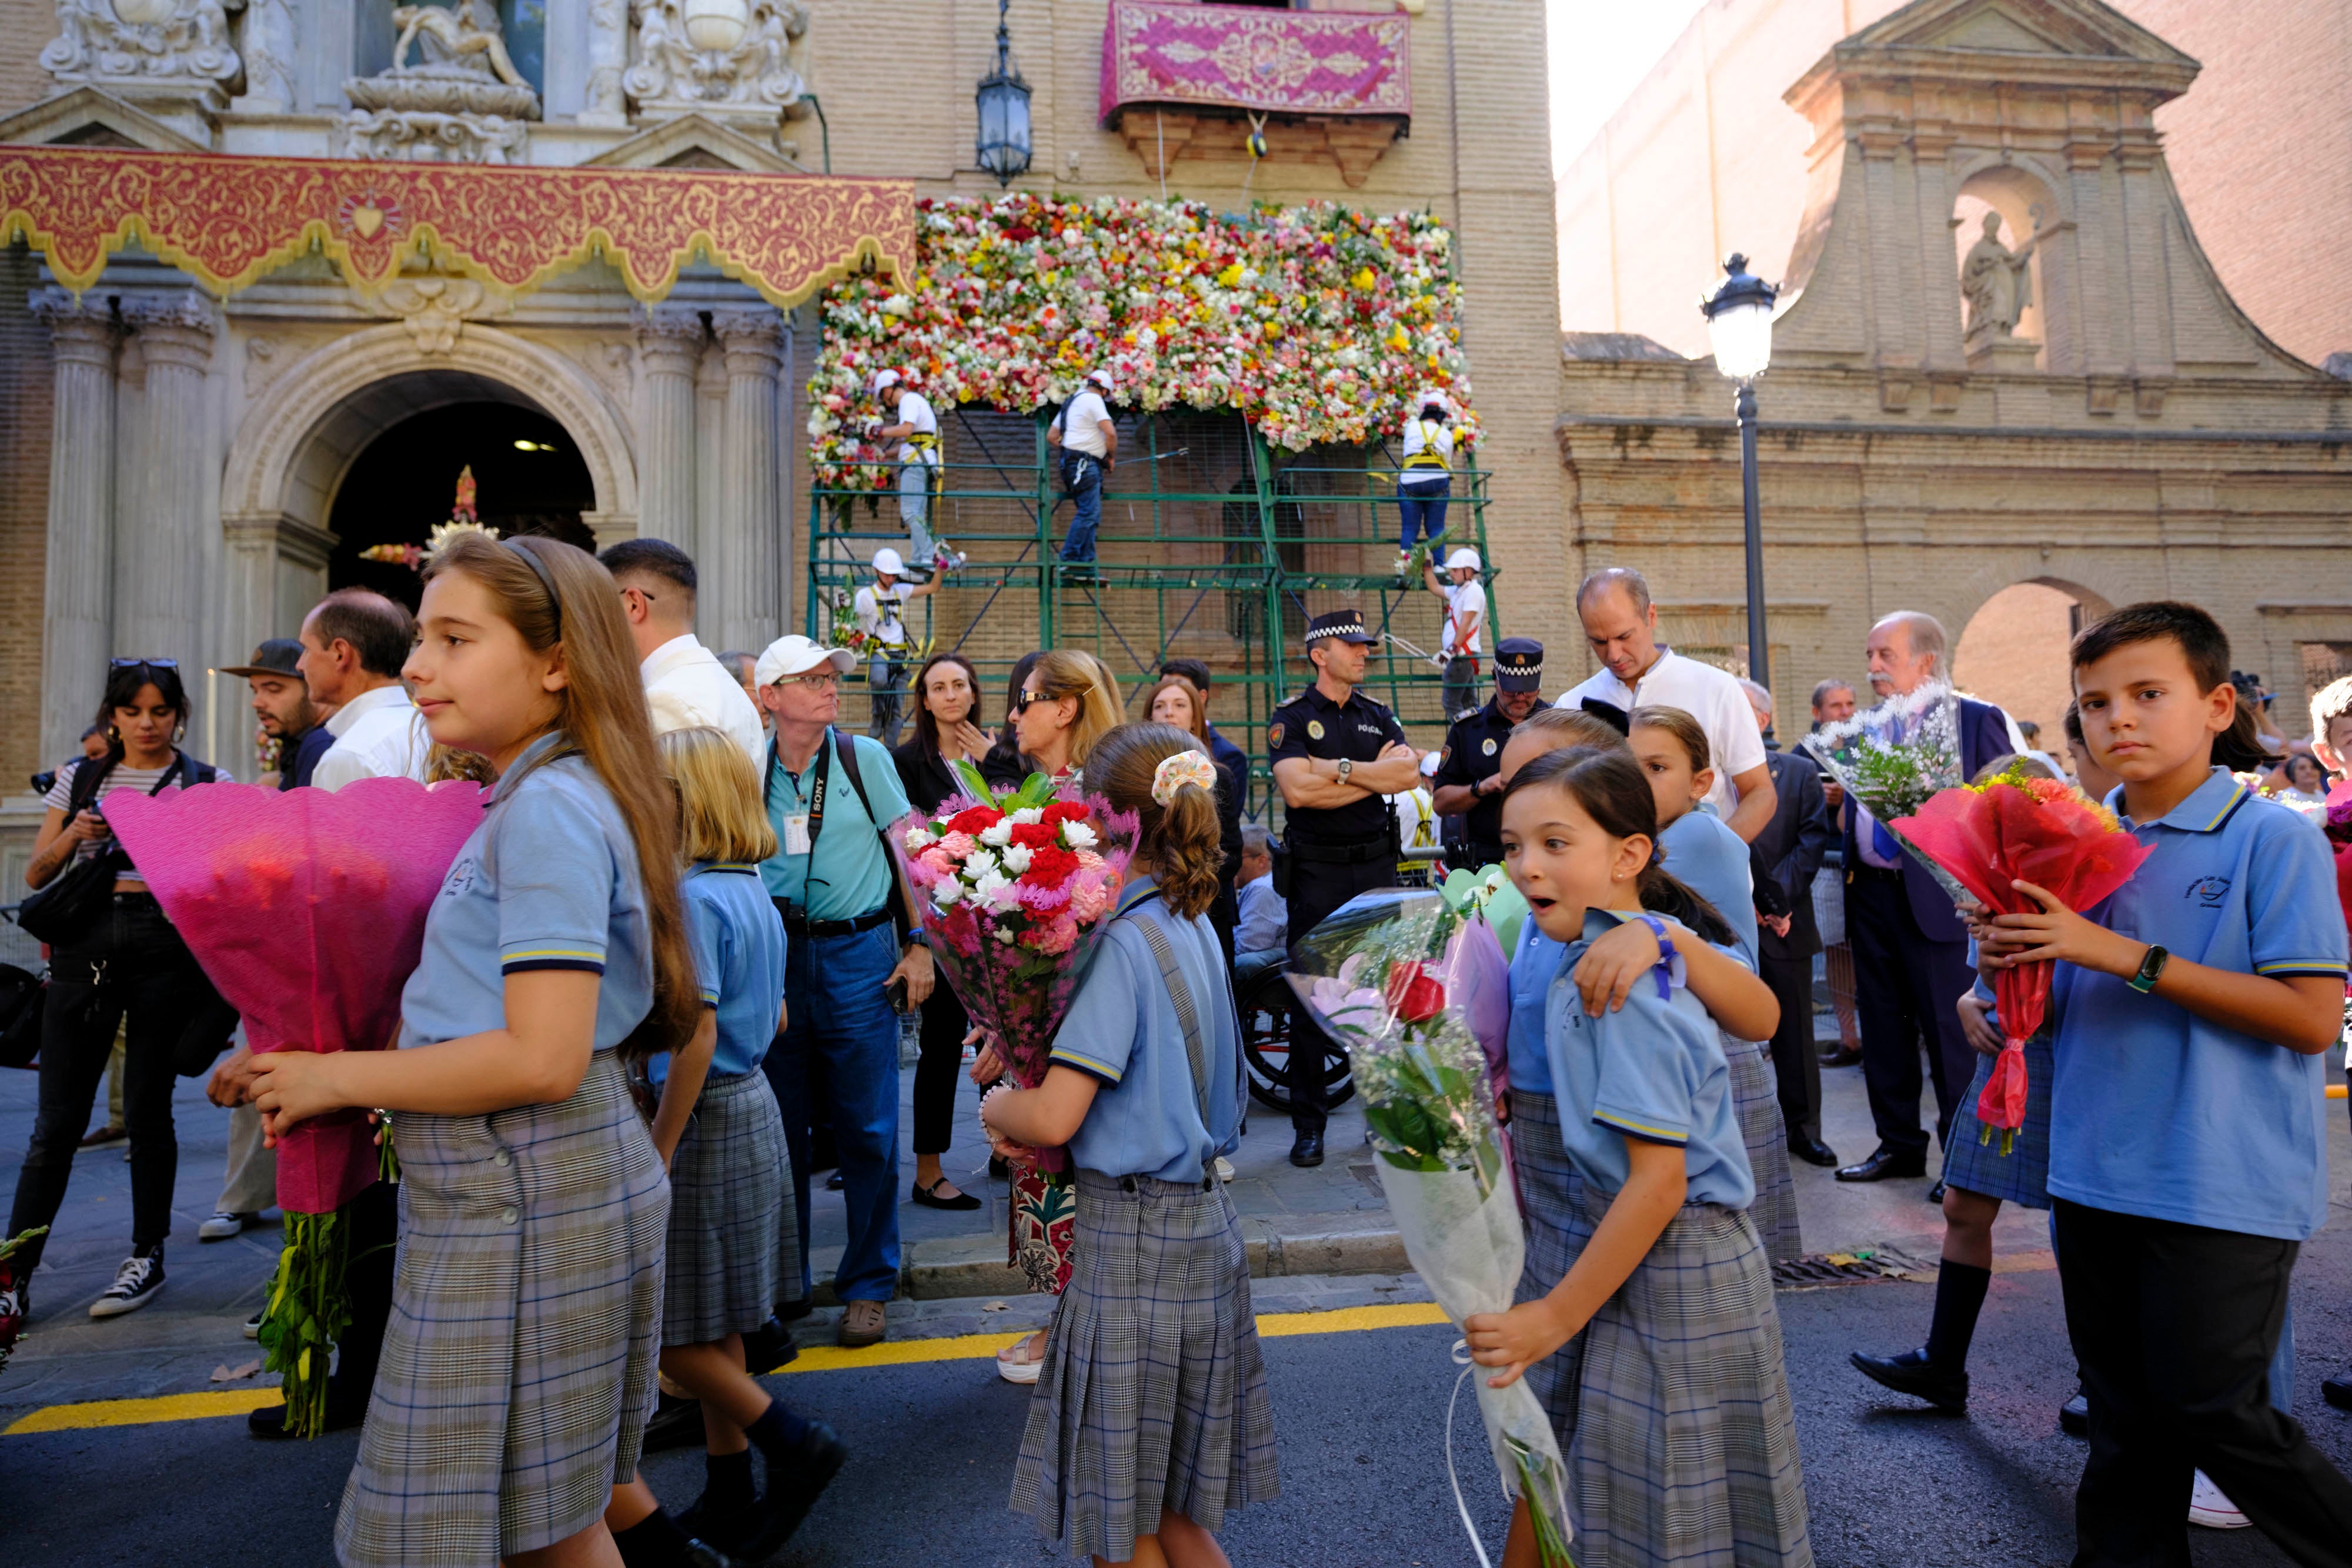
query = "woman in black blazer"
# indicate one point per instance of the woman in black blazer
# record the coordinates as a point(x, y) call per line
point(947, 694)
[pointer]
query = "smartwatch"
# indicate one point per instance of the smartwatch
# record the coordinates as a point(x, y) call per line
point(2149, 968)
point(918, 937)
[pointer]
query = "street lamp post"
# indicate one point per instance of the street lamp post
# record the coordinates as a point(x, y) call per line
point(1740, 326)
point(1004, 100)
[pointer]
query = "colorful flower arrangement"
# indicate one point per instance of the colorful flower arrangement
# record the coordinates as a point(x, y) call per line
point(1317, 323)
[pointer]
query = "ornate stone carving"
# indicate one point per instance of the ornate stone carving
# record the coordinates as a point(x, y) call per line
point(608, 57)
point(264, 358)
point(269, 47)
point(434, 308)
point(734, 59)
point(180, 42)
point(1995, 283)
point(464, 102)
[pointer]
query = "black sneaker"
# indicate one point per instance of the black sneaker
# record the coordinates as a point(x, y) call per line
point(797, 1476)
point(2075, 1416)
point(135, 1284)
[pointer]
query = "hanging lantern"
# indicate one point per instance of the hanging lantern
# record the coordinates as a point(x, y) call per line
point(715, 26)
point(1004, 100)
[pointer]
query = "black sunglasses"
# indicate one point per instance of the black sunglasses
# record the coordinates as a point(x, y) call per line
point(1022, 702)
point(142, 663)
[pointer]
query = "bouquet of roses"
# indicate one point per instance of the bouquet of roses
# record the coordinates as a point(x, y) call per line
point(1015, 888)
point(1408, 982)
point(1892, 758)
point(2021, 828)
point(306, 909)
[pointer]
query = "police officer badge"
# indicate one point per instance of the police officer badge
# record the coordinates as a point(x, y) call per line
point(1489, 747)
point(1273, 734)
point(1314, 729)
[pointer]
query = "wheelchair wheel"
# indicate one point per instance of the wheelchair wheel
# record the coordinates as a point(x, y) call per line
point(1267, 1006)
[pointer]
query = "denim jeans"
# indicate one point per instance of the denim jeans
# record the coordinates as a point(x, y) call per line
point(1422, 511)
point(146, 984)
point(1086, 498)
point(883, 679)
point(842, 1027)
point(914, 502)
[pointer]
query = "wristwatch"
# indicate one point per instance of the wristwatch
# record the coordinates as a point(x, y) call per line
point(918, 937)
point(1347, 766)
point(2150, 968)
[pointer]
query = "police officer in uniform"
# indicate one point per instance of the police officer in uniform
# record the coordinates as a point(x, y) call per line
point(1469, 789)
point(1337, 756)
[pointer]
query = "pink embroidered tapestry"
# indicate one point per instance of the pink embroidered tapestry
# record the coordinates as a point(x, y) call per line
point(1237, 57)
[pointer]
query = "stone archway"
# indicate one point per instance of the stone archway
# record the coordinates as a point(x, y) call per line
point(299, 438)
point(2014, 649)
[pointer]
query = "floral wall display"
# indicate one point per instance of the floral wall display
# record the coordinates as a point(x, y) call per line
point(1316, 323)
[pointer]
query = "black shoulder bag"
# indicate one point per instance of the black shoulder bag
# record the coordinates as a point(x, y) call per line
point(72, 901)
point(845, 747)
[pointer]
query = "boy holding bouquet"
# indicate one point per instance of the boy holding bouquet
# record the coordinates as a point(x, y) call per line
point(2187, 1161)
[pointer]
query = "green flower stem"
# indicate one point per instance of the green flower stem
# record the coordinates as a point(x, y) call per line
point(309, 1308)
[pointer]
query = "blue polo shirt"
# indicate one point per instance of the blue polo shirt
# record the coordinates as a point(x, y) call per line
point(1122, 1031)
point(1705, 856)
point(2156, 1111)
point(548, 881)
point(1652, 1070)
point(852, 874)
point(738, 959)
point(1533, 967)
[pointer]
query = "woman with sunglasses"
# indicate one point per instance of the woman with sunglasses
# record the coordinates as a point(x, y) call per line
point(126, 968)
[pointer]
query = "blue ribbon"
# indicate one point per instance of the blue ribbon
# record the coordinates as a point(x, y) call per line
point(1885, 843)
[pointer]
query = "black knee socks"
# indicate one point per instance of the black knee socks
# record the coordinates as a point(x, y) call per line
point(1960, 1297)
point(653, 1542)
point(777, 1429)
point(729, 1483)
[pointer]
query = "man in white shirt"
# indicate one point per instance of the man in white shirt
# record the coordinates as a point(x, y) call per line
point(1622, 624)
point(1088, 443)
point(353, 645)
point(916, 428)
point(685, 686)
point(881, 608)
point(1465, 617)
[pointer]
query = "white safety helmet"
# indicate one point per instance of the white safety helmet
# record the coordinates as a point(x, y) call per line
point(1100, 377)
point(1464, 557)
point(888, 562)
point(886, 380)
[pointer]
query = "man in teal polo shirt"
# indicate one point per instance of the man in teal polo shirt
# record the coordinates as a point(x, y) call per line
point(2188, 1155)
point(833, 880)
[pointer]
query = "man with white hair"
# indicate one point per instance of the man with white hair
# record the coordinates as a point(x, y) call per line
point(1910, 949)
point(916, 428)
point(1622, 625)
point(881, 607)
point(1089, 441)
point(1465, 618)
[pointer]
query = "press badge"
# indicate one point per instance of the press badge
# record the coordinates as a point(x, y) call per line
point(796, 835)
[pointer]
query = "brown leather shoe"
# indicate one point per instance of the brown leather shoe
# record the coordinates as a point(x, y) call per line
point(863, 1324)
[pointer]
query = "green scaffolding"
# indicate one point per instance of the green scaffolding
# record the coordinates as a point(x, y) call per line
point(1211, 546)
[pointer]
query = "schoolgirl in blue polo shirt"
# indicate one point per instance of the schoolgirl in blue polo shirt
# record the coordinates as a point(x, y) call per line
point(1659, 1348)
point(2192, 1011)
point(1712, 861)
point(534, 1205)
point(720, 1132)
point(1152, 1417)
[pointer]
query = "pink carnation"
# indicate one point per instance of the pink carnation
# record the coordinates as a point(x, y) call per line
point(1089, 861)
point(937, 862)
point(957, 846)
point(1089, 898)
point(1059, 937)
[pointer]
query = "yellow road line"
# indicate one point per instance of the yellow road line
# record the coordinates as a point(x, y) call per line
point(814, 1358)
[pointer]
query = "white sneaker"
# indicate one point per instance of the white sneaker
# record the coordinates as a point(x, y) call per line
point(1224, 1168)
point(2209, 1508)
point(136, 1284)
point(222, 1226)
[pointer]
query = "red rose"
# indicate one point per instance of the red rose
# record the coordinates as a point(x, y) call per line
point(972, 820)
point(1050, 866)
point(1413, 992)
point(1036, 835)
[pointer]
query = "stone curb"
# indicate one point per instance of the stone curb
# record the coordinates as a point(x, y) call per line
point(1277, 1245)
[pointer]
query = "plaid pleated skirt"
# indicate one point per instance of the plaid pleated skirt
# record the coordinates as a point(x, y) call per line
point(1672, 1406)
point(1755, 1098)
point(1153, 1396)
point(518, 1368)
point(727, 1242)
point(1974, 1164)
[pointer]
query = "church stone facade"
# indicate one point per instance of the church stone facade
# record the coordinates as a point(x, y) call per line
point(171, 461)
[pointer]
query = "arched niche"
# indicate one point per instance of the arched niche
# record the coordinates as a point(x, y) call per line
point(2029, 205)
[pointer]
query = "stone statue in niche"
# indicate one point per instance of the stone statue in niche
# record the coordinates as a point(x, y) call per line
point(461, 102)
point(470, 37)
point(269, 47)
point(1995, 282)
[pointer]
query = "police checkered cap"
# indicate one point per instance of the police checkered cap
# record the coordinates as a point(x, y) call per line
point(1346, 624)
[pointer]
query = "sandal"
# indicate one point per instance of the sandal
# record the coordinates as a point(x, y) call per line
point(929, 1197)
point(1023, 1361)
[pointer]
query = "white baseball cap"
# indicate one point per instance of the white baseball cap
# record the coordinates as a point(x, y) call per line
point(1100, 377)
point(886, 379)
point(796, 656)
point(888, 562)
point(1465, 557)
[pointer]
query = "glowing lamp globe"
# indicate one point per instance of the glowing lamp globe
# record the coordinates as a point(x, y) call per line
point(1739, 321)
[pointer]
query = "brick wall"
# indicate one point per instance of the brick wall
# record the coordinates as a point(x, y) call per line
point(26, 394)
point(24, 26)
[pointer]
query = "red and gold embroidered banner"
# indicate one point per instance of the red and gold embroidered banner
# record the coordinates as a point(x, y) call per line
point(1237, 57)
point(228, 220)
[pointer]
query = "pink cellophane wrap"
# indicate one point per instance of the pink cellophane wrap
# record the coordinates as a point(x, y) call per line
point(306, 908)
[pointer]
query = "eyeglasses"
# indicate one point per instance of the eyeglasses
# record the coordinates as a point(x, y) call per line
point(142, 663)
point(1021, 703)
point(824, 681)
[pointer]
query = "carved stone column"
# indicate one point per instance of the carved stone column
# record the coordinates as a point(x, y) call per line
point(159, 609)
point(669, 352)
point(709, 492)
point(78, 590)
point(744, 563)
